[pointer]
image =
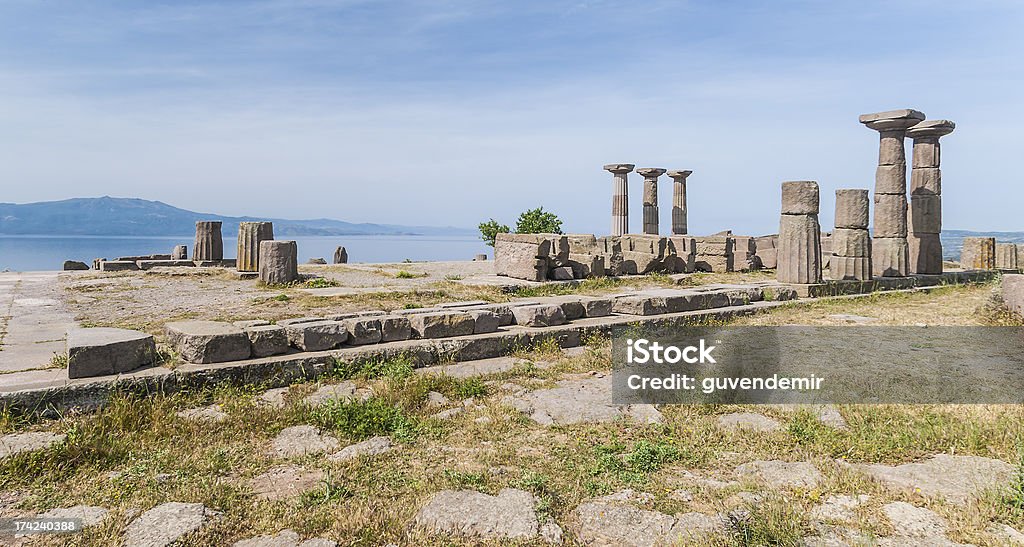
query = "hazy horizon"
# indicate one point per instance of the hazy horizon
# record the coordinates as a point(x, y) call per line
point(418, 113)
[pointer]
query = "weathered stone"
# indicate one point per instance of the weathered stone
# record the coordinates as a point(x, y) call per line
point(284, 538)
point(316, 335)
point(850, 268)
point(679, 200)
point(586, 400)
point(910, 521)
point(978, 253)
point(267, 340)
point(369, 447)
point(317, 261)
point(839, 508)
point(442, 324)
point(301, 440)
point(72, 265)
point(285, 481)
point(800, 197)
point(641, 263)
point(713, 245)
point(799, 255)
point(180, 252)
point(165, 524)
point(484, 321)
point(640, 305)
point(925, 253)
point(521, 258)
point(595, 306)
point(17, 443)
point(620, 197)
point(212, 413)
point(250, 234)
point(748, 421)
point(209, 244)
point(103, 351)
point(926, 181)
point(850, 242)
point(540, 315)
point(150, 264)
point(562, 273)
point(208, 341)
point(343, 391)
point(582, 244)
point(612, 522)
point(852, 207)
point(926, 214)
point(779, 474)
point(118, 266)
point(891, 179)
point(650, 175)
point(587, 265)
point(90, 515)
point(1013, 293)
point(510, 515)
point(274, 398)
point(341, 255)
point(890, 216)
point(956, 479)
point(481, 257)
point(363, 330)
point(1006, 257)
point(394, 328)
point(769, 257)
point(889, 257)
point(279, 262)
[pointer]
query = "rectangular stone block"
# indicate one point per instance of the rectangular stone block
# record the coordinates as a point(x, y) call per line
point(890, 257)
point(926, 153)
point(208, 341)
point(118, 266)
point(540, 315)
point(891, 149)
point(522, 256)
point(596, 306)
point(769, 257)
point(316, 335)
point(721, 246)
point(484, 321)
point(978, 253)
point(150, 264)
point(1006, 257)
point(850, 268)
point(645, 243)
point(713, 263)
point(852, 206)
point(925, 252)
point(891, 179)
point(640, 305)
point(363, 330)
point(442, 324)
point(267, 340)
point(394, 328)
point(586, 265)
point(925, 214)
point(851, 243)
point(582, 244)
point(890, 215)
point(800, 197)
point(106, 351)
point(561, 273)
point(1013, 293)
point(642, 263)
point(926, 181)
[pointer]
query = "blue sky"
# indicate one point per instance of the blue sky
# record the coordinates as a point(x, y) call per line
point(451, 112)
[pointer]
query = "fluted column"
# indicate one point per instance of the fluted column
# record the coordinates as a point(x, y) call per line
point(851, 243)
point(679, 201)
point(250, 234)
point(650, 175)
point(925, 215)
point(799, 257)
point(209, 242)
point(889, 250)
point(620, 197)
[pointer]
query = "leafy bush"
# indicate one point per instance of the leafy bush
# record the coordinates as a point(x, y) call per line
point(490, 230)
point(538, 221)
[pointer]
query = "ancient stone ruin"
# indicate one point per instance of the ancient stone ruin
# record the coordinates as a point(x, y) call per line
point(799, 256)
point(250, 235)
point(279, 262)
point(620, 197)
point(926, 197)
point(209, 243)
point(851, 243)
point(978, 253)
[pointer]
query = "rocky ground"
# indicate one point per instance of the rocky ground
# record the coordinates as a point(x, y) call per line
point(529, 454)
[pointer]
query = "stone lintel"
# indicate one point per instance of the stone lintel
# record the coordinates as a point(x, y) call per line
point(903, 113)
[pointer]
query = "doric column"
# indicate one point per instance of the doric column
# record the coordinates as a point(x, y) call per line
point(650, 175)
point(620, 197)
point(679, 201)
point(799, 234)
point(250, 234)
point(209, 243)
point(851, 243)
point(926, 197)
point(180, 252)
point(279, 262)
point(889, 251)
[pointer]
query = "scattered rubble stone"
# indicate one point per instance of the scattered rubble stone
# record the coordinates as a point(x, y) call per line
point(839, 508)
point(273, 397)
point(90, 515)
point(912, 521)
point(17, 443)
point(781, 474)
point(212, 413)
point(165, 524)
point(509, 515)
point(342, 392)
point(954, 478)
point(610, 522)
point(285, 481)
point(584, 400)
point(748, 421)
point(369, 447)
point(301, 440)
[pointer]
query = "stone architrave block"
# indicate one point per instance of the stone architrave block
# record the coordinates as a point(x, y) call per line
point(484, 321)
point(104, 351)
point(208, 341)
point(316, 335)
point(852, 208)
point(394, 328)
point(539, 315)
point(363, 330)
point(266, 340)
point(769, 257)
point(850, 242)
point(442, 324)
point(713, 246)
point(800, 197)
point(978, 253)
point(890, 216)
point(926, 214)
point(582, 244)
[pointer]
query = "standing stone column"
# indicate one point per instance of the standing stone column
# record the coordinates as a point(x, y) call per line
point(679, 201)
point(250, 234)
point(650, 175)
point(889, 251)
point(799, 258)
point(209, 242)
point(925, 215)
point(620, 197)
point(279, 262)
point(978, 253)
point(180, 252)
point(851, 243)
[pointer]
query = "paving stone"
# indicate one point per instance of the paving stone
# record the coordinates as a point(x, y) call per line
point(267, 340)
point(273, 397)
point(748, 421)
point(363, 330)
point(442, 324)
point(912, 521)
point(301, 440)
point(212, 413)
point(285, 481)
point(436, 400)
point(604, 522)
point(341, 391)
point(779, 474)
point(540, 315)
point(90, 515)
point(1008, 533)
point(955, 478)
point(165, 524)
point(839, 508)
point(316, 335)
point(484, 321)
point(394, 328)
point(449, 414)
point(208, 341)
point(103, 351)
point(118, 266)
point(16, 443)
point(284, 538)
point(369, 447)
point(586, 400)
point(511, 514)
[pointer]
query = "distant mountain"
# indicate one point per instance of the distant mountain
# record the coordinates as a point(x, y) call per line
point(107, 216)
